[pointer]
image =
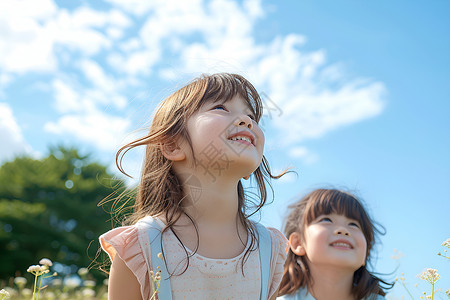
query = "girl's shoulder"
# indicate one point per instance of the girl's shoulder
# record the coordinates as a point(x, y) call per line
point(276, 236)
point(129, 243)
point(277, 258)
point(278, 241)
point(129, 239)
point(120, 240)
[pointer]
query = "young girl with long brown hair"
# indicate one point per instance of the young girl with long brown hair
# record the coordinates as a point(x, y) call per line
point(191, 214)
point(330, 236)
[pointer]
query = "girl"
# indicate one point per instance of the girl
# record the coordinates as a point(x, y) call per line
point(330, 237)
point(190, 217)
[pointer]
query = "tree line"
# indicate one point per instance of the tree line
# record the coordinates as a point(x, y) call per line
point(49, 208)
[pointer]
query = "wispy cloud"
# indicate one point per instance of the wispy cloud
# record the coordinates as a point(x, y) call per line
point(104, 131)
point(99, 56)
point(11, 136)
point(303, 153)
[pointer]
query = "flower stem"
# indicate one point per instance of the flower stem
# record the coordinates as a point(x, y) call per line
point(35, 282)
point(409, 293)
point(432, 291)
point(39, 287)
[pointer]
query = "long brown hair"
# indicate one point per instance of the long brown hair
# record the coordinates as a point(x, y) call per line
point(160, 191)
point(322, 202)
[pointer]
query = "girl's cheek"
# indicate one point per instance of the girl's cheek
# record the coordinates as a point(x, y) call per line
point(260, 135)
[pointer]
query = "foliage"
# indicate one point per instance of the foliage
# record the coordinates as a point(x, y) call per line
point(48, 208)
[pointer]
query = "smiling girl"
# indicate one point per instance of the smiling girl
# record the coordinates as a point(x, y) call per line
point(330, 236)
point(191, 214)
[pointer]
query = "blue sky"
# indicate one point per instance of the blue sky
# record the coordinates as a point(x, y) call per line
point(362, 90)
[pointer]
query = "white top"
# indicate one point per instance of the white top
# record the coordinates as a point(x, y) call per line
point(205, 278)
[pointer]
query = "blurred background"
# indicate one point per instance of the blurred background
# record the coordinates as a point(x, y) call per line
point(356, 96)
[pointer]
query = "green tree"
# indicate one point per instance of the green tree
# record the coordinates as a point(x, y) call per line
point(49, 208)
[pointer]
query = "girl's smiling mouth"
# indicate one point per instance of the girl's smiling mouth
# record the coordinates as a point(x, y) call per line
point(341, 244)
point(244, 137)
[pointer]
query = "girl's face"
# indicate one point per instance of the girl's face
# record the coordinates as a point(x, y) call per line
point(225, 134)
point(335, 240)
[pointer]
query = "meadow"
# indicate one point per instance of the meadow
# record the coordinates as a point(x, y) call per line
point(48, 285)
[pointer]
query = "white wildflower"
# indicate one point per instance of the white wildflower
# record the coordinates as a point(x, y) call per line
point(83, 271)
point(89, 283)
point(72, 283)
point(46, 262)
point(88, 293)
point(10, 291)
point(36, 269)
point(4, 294)
point(446, 243)
point(430, 275)
point(27, 292)
point(56, 282)
point(20, 281)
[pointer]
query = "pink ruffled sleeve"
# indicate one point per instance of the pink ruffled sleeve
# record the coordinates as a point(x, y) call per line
point(124, 241)
point(279, 244)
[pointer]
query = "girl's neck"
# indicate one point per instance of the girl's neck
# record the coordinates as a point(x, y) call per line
point(331, 283)
point(213, 200)
point(220, 240)
point(213, 206)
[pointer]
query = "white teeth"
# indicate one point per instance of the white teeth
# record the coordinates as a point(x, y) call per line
point(341, 245)
point(243, 138)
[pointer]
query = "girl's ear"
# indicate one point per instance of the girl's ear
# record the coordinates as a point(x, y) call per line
point(296, 245)
point(172, 151)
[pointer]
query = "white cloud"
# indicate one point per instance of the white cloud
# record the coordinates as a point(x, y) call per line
point(104, 131)
point(137, 7)
point(253, 8)
point(39, 10)
point(138, 62)
point(311, 115)
point(315, 98)
point(303, 153)
point(100, 90)
point(5, 79)
point(131, 45)
point(11, 136)
point(176, 38)
point(66, 98)
point(95, 74)
point(24, 46)
point(33, 32)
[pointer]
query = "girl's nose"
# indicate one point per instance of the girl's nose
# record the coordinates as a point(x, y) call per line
point(342, 231)
point(244, 120)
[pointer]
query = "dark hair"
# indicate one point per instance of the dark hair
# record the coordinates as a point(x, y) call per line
point(160, 191)
point(323, 202)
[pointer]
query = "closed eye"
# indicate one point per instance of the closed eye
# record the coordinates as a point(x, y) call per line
point(354, 224)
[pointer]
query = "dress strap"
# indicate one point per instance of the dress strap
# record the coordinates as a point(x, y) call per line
point(265, 254)
point(154, 233)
